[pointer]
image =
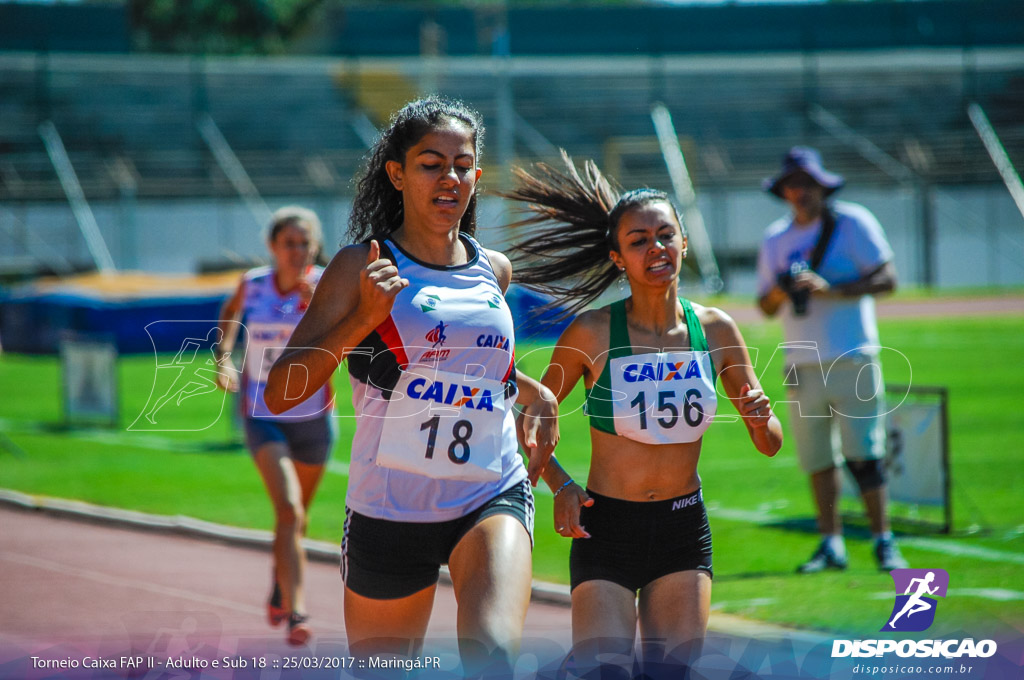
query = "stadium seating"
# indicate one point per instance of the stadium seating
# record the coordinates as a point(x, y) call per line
point(129, 123)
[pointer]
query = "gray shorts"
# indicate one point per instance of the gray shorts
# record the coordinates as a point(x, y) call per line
point(308, 441)
point(839, 408)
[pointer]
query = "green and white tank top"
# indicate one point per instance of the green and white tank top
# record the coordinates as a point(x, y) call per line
point(654, 397)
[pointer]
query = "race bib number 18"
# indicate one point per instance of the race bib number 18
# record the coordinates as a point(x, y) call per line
point(444, 426)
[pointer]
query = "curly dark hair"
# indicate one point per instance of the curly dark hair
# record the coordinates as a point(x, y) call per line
point(572, 226)
point(377, 208)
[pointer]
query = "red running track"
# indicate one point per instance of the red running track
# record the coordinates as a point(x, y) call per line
point(75, 589)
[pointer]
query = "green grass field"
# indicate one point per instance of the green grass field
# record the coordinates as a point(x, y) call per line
point(760, 508)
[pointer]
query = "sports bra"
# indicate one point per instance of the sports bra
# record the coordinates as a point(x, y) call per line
point(655, 397)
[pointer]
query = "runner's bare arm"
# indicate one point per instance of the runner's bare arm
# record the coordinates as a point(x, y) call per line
point(570, 362)
point(538, 426)
point(229, 313)
point(571, 359)
point(736, 372)
point(537, 423)
point(355, 295)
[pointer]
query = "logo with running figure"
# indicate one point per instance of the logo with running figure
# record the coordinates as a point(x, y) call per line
point(916, 590)
point(436, 335)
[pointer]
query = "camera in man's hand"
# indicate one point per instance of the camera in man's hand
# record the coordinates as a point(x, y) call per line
point(798, 296)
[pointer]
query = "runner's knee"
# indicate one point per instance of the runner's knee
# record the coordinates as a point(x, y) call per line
point(291, 515)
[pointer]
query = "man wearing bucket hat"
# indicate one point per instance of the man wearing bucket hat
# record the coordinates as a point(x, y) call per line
point(820, 267)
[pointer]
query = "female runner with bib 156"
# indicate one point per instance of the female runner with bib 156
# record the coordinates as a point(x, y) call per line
point(650, 365)
point(417, 307)
point(290, 449)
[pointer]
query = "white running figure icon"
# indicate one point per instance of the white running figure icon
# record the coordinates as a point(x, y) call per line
point(195, 377)
point(915, 604)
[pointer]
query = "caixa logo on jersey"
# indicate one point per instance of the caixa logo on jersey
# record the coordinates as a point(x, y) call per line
point(451, 394)
point(661, 371)
point(914, 611)
point(491, 340)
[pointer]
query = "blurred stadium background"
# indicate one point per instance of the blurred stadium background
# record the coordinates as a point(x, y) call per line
point(178, 147)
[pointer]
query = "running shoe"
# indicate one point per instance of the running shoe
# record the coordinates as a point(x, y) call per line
point(823, 558)
point(888, 555)
point(275, 613)
point(298, 629)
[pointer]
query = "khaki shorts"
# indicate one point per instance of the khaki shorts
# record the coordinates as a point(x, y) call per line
point(838, 408)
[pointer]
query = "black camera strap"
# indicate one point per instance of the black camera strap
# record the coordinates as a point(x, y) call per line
point(828, 227)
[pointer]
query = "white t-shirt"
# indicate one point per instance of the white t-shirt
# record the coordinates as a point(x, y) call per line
point(832, 327)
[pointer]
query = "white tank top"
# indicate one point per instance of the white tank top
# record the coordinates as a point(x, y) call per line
point(433, 389)
point(270, 318)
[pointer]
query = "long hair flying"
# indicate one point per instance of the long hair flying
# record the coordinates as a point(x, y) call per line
point(377, 208)
point(570, 224)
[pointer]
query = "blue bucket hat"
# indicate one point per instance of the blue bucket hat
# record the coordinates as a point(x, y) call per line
point(808, 160)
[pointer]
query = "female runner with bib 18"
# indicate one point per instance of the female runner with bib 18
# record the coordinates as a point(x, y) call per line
point(435, 474)
point(290, 449)
point(651, 364)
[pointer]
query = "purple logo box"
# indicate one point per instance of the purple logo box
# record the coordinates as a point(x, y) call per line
point(916, 590)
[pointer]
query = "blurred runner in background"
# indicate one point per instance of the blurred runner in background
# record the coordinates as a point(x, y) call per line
point(290, 448)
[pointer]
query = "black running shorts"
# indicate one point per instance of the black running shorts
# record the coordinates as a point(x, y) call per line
point(386, 560)
point(634, 543)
